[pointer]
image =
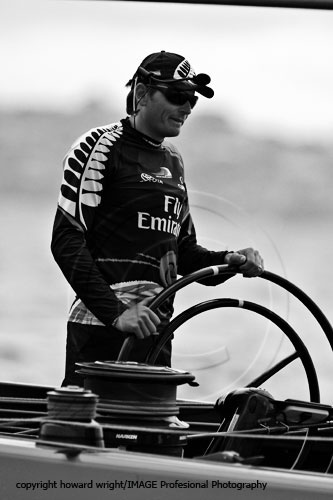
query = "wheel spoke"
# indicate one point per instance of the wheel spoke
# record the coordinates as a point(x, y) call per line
point(273, 370)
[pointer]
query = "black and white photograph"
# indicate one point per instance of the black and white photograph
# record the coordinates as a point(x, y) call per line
point(166, 282)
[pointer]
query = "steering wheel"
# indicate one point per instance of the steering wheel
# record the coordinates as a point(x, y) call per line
point(300, 352)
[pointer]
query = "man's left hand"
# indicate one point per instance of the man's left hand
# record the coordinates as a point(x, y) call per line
point(248, 260)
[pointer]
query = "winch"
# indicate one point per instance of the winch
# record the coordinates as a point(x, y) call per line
point(137, 395)
point(130, 389)
point(71, 413)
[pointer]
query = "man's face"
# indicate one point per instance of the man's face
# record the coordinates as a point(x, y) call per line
point(159, 118)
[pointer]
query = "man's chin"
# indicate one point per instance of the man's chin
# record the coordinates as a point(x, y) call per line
point(173, 131)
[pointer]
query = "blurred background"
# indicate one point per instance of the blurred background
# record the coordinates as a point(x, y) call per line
point(258, 164)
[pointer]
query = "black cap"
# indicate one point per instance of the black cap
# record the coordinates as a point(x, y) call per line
point(172, 69)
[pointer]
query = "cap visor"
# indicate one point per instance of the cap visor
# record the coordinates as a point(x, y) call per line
point(189, 85)
point(205, 91)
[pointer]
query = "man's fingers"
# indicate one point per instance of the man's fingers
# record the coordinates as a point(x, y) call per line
point(145, 321)
point(235, 259)
point(140, 320)
point(147, 325)
point(249, 261)
point(254, 265)
point(142, 331)
point(151, 315)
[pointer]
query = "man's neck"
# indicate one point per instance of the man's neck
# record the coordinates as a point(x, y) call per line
point(138, 125)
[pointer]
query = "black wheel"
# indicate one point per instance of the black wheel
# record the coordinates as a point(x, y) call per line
point(301, 351)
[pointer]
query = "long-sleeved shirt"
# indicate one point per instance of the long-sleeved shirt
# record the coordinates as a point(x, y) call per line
point(123, 229)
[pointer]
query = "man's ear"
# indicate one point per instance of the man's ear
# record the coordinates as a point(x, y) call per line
point(141, 94)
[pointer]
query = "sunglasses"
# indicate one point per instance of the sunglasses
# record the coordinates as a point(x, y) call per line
point(177, 97)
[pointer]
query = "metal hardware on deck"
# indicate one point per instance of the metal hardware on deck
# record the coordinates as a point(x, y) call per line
point(70, 418)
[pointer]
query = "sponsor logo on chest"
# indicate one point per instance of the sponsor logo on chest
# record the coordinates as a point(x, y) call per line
point(149, 178)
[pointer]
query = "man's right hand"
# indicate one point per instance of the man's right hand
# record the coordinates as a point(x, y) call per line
point(138, 319)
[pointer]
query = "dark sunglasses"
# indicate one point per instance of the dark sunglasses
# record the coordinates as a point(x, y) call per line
point(177, 97)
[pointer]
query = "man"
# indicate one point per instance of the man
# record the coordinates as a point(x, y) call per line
point(123, 229)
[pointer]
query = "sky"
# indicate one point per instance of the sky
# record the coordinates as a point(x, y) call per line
point(271, 68)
